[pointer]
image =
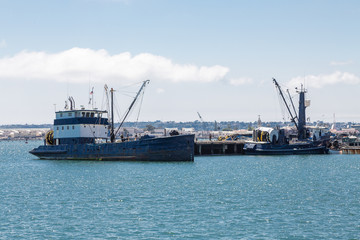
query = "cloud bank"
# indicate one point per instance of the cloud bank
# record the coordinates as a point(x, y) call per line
point(160, 90)
point(319, 81)
point(240, 81)
point(334, 63)
point(77, 64)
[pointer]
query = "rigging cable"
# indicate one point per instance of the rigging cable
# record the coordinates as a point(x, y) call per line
point(133, 103)
point(281, 104)
point(141, 101)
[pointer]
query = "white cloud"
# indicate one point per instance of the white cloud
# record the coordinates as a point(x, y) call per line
point(319, 81)
point(3, 44)
point(160, 90)
point(240, 81)
point(334, 63)
point(76, 64)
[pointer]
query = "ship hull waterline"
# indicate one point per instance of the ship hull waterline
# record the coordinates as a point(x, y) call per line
point(268, 149)
point(174, 148)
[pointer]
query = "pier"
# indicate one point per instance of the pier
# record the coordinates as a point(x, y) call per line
point(350, 150)
point(219, 147)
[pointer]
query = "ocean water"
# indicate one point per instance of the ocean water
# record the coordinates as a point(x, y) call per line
point(223, 197)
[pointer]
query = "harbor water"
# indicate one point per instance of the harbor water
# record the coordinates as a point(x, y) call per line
point(219, 197)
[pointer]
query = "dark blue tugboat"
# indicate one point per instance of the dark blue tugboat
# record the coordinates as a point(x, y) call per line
point(88, 135)
point(270, 141)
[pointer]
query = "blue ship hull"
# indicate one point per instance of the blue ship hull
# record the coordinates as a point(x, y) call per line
point(174, 148)
point(283, 149)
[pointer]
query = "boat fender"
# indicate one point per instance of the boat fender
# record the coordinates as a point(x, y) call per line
point(49, 137)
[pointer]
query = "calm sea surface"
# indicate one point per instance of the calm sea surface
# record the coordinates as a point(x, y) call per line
point(227, 197)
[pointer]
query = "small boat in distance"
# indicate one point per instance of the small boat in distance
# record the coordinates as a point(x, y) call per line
point(81, 134)
point(271, 141)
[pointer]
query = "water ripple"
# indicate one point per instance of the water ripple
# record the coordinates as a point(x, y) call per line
point(236, 197)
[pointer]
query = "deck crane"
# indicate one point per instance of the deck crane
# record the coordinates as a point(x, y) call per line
point(131, 105)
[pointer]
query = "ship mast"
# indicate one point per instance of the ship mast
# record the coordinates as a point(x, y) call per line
point(302, 116)
point(112, 135)
point(300, 125)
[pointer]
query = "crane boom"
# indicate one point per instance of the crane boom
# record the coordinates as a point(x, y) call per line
point(287, 106)
point(132, 104)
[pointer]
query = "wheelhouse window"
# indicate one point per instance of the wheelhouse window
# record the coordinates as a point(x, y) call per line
point(83, 114)
point(87, 114)
point(92, 114)
point(70, 114)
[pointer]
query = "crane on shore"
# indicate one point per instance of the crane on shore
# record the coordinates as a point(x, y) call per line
point(202, 121)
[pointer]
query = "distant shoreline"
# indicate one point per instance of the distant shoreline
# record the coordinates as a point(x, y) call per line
point(25, 126)
point(21, 139)
point(197, 125)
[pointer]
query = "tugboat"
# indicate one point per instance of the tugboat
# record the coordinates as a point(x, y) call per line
point(81, 134)
point(271, 141)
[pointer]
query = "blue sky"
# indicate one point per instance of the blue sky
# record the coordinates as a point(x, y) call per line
point(215, 57)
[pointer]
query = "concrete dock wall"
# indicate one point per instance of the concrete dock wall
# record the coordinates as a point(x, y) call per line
point(219, 147)
point(350, 150)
